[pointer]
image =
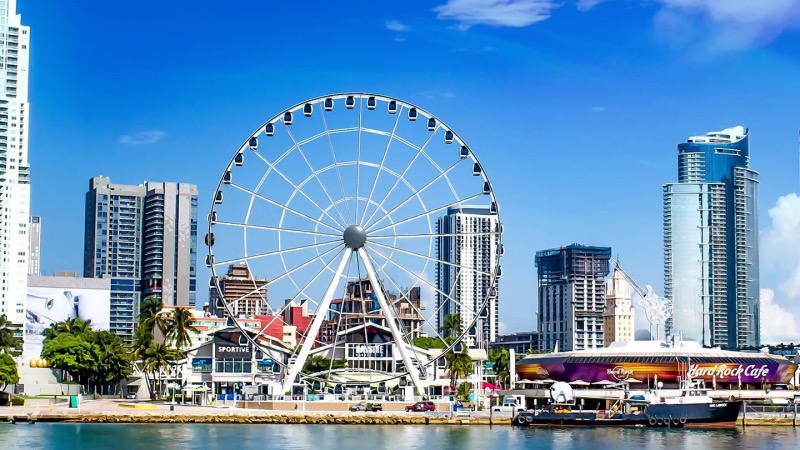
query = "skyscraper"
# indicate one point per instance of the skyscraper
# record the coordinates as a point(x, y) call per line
point(711, 241)
point(572, 296)
point(145, 238)
point(15, 192)
point(468, 287)
point(34, 245)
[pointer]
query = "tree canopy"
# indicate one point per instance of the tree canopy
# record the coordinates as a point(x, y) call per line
point(8, 370)
point(85, 354)
point(9, 342)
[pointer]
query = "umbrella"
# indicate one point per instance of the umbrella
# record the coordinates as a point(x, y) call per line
point(524, 381)
point(547, 381)
point(603, 383)
point(487, 385)
point(632, 380)
point(579, 383)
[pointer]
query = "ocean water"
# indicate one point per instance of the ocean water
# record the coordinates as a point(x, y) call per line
point(345, 437)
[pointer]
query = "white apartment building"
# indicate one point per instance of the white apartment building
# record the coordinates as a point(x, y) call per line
point(15, 190)
point(477, 249)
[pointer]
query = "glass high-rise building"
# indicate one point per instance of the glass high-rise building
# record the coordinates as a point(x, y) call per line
point(144, 238)
point(15, 190)
point(572, 296)
point(711, 241)
point(468, 287)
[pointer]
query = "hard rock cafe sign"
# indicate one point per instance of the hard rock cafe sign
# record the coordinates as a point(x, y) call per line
point(620, 372)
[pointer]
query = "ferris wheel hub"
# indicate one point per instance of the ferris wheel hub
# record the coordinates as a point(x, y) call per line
point(355, 236)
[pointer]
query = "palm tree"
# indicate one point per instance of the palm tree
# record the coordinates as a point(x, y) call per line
point(75, 327)
point(142, 339)
point(458, 365)
point(451, 326)
point(499, 358)
point(157, 358)
point(150, 314)
point(180, 328)
point(9, 342)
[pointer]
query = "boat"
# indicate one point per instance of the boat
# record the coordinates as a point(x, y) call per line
point(692, 407)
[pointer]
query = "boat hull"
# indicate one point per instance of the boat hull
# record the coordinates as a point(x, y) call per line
point(657, 415)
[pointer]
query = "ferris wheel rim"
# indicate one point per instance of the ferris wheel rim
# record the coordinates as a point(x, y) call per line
point(401, 104)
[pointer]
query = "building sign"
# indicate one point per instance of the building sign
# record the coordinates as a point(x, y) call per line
point(757, 372)
point(229, 350)
point(368, 350)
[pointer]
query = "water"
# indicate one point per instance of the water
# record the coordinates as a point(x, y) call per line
point(347, 437)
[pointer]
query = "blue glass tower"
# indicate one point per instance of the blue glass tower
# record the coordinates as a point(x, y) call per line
point(711, 241)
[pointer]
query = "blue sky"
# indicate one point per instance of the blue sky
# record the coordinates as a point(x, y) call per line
point(574, 108)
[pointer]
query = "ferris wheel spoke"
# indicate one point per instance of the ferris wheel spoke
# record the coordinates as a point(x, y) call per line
point(380, 167)
point(333, 156)
point(284, 207)
point(405, 295)
point(314, 172)
point(276, 252)
point(426, 213)
point(402, 176)
point(288, 273)
point(426, 257)
point(422, 279)
point(432, 235)
point(358, 166)
point(416, 193)
point(296, 188)
point(268, 228)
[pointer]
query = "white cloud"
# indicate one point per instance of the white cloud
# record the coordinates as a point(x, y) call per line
point(780, 262)
point(777, 324)
point(502, 328)
point(728, 25)
point(585, 5)
point(501, 13)
point(142, 138)
point(395, 25)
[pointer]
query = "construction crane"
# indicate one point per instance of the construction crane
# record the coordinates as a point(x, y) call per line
point(657, 309)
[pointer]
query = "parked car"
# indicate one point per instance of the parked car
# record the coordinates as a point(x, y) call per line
point(131, 396)
point(421, 407)
point(366, 407)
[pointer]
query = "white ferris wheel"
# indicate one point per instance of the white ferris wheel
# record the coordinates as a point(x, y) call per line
point(334, 205)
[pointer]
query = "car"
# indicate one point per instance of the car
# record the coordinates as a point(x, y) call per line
point(421, 407)
point(131, 396)
point(370, 407)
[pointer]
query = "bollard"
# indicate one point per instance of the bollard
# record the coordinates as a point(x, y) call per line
point(744, 414)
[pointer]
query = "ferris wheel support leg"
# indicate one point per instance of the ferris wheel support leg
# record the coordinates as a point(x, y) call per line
point(390, 320)
point(311, 336)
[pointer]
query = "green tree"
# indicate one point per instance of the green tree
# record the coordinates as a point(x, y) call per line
point(72, 354)
point(142, 339)
point(150, 314)
point(158, 359)
point(319, 363)
point(180, 328)
point(427, 343)
point(459, 365)
point(113, 363)
point(451, 326)
point(500, 359)
point(9, 342)
point(75, 327)
point(8, 371)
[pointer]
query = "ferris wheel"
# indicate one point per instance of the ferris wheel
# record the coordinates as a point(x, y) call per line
point(362, 221)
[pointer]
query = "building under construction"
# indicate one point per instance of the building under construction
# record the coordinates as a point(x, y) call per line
point(572, 295)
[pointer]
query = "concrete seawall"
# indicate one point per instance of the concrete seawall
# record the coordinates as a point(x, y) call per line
point(270, 418)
